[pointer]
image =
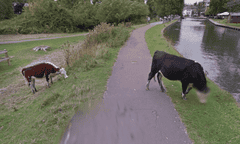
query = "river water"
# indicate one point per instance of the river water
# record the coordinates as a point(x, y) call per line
point(217, 49)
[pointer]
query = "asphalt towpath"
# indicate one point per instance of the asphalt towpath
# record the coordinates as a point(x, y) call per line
point(128, 114)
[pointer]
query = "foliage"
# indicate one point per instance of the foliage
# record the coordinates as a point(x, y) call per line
point(138, 12)
point(71, 3)
point(115, 11)
point(168, 7)
point(84, 15)
point(48, 16)
point(217, 6)
point(103, 34)
point(235, 7)
point(6, 11)
point(152, 8)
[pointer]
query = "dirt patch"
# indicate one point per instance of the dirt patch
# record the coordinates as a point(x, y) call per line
point(18, 37)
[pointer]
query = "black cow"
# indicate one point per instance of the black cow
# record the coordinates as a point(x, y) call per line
point(177, 68)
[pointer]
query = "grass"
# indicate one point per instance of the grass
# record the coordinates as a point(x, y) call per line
point(23, 54)
point(216, 121)
point(43, 117)
point(224, 22)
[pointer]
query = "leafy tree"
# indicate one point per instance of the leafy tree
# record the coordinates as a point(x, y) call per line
point(142, 1)
point(232, 8)
point(138, 12)
point(47, 15)
point(85, 15)
point(70, 3)
point(113, 11)
point(96, 1)
point(217, 6)
point(117, 11)
point(152, 8)
point(168, 7)
point(6, 10)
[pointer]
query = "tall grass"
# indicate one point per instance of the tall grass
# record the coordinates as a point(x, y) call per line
point(96, 45)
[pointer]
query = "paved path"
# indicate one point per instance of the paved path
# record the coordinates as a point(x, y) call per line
point(9, 42)
point(128, 113)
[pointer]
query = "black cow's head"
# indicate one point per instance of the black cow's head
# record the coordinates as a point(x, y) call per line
point(201, 83)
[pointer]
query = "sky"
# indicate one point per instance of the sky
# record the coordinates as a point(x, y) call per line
point(191, 1)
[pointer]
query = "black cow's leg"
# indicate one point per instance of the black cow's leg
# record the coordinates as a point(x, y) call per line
point(184, 88)
point(159, 78)
point(150, 76)
point(188, 90)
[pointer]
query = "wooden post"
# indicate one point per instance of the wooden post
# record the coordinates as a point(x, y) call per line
point(6, 55)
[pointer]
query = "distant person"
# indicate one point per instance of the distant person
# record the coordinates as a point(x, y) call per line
point(148, 20)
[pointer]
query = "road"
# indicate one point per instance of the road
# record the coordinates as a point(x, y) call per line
point(129, 114)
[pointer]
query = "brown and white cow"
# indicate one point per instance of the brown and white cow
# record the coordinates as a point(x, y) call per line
point(40, 70)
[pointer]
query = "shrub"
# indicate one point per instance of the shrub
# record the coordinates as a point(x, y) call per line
point(138, 14)
point(113, 11)
point(84, 15)
point(96, 45)
point(6, 11)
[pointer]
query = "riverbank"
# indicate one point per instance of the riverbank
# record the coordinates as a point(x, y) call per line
point(217, 121)
point(222, 23)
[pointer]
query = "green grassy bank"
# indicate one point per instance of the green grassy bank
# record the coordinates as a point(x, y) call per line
point(42, 117)
point(217, 121)
point(224, 22)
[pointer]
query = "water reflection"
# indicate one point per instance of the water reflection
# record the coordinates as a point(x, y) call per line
point(216, 48)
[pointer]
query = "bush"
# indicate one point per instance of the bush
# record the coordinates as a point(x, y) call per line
point(138, 14)
point(42, 16)
point(84, 15)
point(49, 16)
point(115, 11)
point(6, 11)
point(96, 45)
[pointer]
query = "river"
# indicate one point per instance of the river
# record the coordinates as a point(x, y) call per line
point(217, 49)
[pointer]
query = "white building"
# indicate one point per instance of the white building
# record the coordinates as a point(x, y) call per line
point(187, 12)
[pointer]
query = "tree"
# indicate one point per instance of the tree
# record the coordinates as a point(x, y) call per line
point(200, 8)
point(168, 7)
point(117, 11)
point(6, 11)
point(152, 8)
point(217, 6)
point(70, 3)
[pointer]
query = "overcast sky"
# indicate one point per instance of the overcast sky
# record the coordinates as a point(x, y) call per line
point(191, 1)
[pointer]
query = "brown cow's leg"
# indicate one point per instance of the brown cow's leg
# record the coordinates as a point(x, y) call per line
point(34, 85)
point(47, 79)
point(32, 88)
point(30, 84)
point(51, 79)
